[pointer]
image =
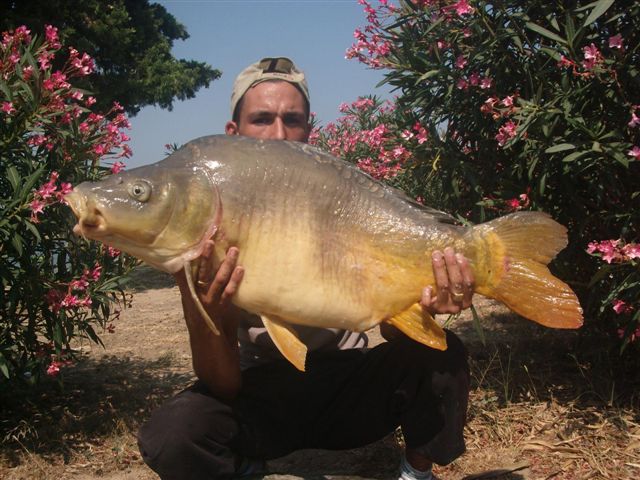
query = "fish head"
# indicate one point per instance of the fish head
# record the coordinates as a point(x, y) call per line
point(159, 214)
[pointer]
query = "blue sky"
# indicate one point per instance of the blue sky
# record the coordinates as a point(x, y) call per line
point(229, 35)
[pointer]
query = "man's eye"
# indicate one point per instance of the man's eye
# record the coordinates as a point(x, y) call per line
point(293, 121)
point(262, 121)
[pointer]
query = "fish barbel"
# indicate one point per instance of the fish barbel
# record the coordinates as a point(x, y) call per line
point(322, 243)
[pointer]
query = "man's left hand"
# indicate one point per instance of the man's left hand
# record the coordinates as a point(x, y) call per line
point(454, 283)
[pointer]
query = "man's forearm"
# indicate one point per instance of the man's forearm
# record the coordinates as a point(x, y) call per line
point(215, 357)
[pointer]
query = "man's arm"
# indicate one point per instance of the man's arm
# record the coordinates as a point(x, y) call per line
point(454, 288)
point(215, 357)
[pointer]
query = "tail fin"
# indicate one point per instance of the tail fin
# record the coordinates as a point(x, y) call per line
point(521, 246)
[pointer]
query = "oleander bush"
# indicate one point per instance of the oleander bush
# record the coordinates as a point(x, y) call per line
point(511, 105)
point(56, 288)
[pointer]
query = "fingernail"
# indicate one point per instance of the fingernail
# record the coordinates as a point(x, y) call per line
point(437, 255)
point(232, 252)
point(459, 257)
point(448, 250)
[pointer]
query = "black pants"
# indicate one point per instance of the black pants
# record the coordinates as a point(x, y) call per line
point(345, 399)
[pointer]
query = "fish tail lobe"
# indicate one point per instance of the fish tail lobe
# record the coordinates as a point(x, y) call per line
point(515, 272)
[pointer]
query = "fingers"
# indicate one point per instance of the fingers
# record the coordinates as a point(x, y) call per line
point(456, 287)
point(224, 277)
point(205, 266)
point(441, 277)
point(454, 283)
point(468, 280)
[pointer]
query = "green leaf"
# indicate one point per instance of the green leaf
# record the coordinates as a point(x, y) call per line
point(5, 89)
point(16, 241)
point(429, 74)
point(601, 7)
point(544, 32)
point(560, 148)
point(14, 177)
point(574, 156)
point(3, 366)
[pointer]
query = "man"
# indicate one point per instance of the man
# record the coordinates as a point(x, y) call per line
point(250, 404)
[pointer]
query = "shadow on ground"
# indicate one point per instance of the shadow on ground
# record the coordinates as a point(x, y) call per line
point(98, 397)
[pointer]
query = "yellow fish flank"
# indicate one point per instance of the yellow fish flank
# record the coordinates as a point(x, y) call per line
point(322, 243)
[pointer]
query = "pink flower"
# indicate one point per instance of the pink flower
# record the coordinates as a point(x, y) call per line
point(27, 72)
point(51, 34)
point(407, 135)
point(7, 107)
point(36, 206)
point(621, 307)
point(44, 59)
point(54, 368)
point(507, 101)
point(69, 301)
point(84, 64)
point(462, 7)
point(47, 190)
point(461, 62)
point(616, 42)
point(631, 250)
point(90, 101)
point(113, 252)
point(485, 83)
point(96, 272)
point(513, 204)
point(421, 136)
point(81, 284)
point(474, 79)
point(100, 149)
point(634, 152)
point(635, 120)
point(506, 133)
point(462, 84)
point(592, 57)
point(117, 167)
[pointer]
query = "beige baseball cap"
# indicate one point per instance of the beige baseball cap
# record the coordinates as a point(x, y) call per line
point(276, 68)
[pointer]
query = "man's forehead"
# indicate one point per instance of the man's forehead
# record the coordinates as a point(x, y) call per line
point(272, 95)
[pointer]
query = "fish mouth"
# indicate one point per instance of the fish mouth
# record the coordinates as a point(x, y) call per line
point(91, 223)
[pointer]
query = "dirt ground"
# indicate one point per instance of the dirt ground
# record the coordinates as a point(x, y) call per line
point(544, 404)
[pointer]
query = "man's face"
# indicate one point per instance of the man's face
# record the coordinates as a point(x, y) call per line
point(272, 110)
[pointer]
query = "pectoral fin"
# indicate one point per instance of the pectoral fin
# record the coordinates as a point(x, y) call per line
point(287, 341)
point(417, 324)
point(194, 296)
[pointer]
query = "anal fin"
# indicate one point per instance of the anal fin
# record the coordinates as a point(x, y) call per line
point(287, 341)
point(417, 324)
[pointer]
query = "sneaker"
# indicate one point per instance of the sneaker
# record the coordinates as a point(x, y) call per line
point(407, 472)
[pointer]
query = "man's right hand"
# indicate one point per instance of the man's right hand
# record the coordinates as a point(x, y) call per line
point(215, 357)
point(216, 288)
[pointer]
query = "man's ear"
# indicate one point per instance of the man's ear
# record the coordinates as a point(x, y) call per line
point(231, 128)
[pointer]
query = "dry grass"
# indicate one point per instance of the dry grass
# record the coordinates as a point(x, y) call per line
point(544, 405)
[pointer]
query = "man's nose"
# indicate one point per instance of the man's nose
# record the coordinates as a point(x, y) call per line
point(279, 131)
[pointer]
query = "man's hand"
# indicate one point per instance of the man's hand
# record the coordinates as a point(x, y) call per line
point(454, 283)
point(215, 357)
point(215, 289)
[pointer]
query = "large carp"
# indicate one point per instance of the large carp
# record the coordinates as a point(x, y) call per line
point(322, 243)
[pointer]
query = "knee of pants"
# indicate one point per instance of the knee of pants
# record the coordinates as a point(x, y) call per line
point(190, 432)
point(454, 358)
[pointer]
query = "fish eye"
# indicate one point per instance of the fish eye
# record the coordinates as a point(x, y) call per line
point(140, 190)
